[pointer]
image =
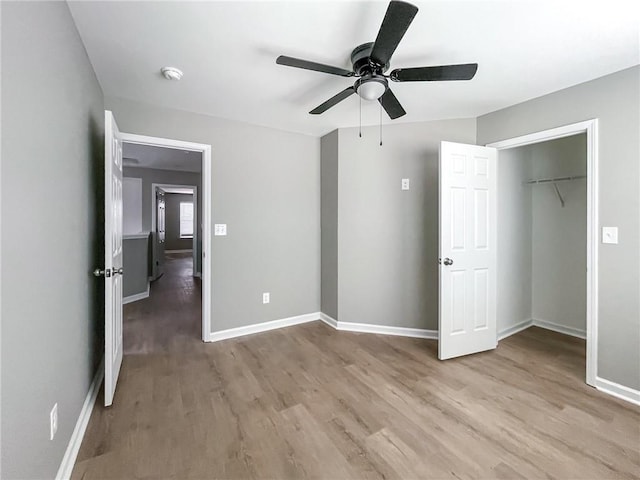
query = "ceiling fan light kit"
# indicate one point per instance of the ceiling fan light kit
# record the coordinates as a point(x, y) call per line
point(370, 61)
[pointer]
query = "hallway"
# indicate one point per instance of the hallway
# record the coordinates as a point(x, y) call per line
point(171, 317)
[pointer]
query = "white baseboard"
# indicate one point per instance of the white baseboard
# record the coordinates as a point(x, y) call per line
point(379, 329)
point(574, 332)
point(185, 250)
point(617, 390)
point(262, 327)
point(136, 297)
point(70, 455)
point(534, 322)
point(513, 329)
point(332, 322)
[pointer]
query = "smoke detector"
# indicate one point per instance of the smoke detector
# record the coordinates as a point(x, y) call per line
point(171, 73)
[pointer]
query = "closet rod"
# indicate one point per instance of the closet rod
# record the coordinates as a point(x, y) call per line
point(554, 180)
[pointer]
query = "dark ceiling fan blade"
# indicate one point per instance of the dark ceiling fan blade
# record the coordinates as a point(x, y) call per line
point(391, 105)
point(430, 74)
point(395, 24)
point(333, 101)
point(318, 67)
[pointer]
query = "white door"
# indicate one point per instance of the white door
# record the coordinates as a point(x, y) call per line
point(467, 317)
point(113, 256)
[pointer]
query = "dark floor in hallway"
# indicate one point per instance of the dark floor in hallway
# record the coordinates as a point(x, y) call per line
point(171, 316)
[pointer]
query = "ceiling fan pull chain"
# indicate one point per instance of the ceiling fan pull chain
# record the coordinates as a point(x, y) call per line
point(360, 133)
point(380, 124)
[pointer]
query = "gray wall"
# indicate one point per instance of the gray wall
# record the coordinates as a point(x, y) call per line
point(614, 100)
point(52, 161)
point(388, 238)
point(172, 222)
point(135, 262)
point(150, 176)
point(514, 221)
point(266, 188)
point(329, 223)
point(559, 234)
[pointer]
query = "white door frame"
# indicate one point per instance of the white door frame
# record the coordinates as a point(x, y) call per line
point(196, 218)
point(207, 257)
point(590, 127)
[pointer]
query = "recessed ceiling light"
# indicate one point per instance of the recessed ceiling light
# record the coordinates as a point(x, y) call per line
point(171, 73)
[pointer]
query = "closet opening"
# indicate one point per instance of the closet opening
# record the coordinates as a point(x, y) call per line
point(547, 236)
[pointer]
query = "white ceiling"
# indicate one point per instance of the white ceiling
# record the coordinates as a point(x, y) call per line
point(227, 51)
point(147, 156)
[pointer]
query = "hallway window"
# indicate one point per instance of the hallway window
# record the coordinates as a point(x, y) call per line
point(186, 219)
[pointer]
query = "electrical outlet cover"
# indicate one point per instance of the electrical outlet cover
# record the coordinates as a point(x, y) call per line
point(266, 297)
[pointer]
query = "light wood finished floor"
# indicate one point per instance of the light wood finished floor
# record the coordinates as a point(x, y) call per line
point(311, 402)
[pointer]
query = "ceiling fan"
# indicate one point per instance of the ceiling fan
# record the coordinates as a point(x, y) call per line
point(371, 60)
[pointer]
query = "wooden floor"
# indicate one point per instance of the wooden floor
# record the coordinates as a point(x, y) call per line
point(311, 402)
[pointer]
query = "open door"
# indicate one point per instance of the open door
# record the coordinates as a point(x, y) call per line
point(113, 256)
point(467, 317)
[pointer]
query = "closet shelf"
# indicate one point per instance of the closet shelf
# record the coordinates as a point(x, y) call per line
point(554, 181)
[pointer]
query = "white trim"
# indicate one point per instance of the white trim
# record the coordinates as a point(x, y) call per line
point(70, 455)
point(184, 250)
point(617, 390)
point(332, 322)
point(207, 184)
point(574, 332)
point(379, 329)
point(513, 329)
point(136, 296)
point(387, 330)
point(263, 327)
point(590, 127)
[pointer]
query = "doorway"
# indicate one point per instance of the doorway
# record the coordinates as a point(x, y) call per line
point(557, 181)
point(175, 209)
point(201, 241)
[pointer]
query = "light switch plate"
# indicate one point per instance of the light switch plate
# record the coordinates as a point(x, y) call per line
point(405, 184)
point(220, 229)
point(266, 298)
point(609, 234)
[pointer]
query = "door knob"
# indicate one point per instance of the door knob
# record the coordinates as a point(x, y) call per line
point(448, 261)
point(119, 271)
point(99, 272)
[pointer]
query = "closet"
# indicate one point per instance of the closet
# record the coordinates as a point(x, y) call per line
point(542, 236)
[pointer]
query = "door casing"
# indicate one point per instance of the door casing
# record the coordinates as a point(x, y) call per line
point(206, 193)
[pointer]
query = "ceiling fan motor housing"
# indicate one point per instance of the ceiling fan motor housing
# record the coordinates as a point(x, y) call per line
point(362, 63)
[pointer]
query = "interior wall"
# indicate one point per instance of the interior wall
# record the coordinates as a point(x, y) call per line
point(388, 238)
point(514, 227)
point(614, 100)
point(172, 222)
point(150, 176)
point(132, 205)
point(559, 246)
point(53, 162)
point(329, 223)
point(266, 188)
